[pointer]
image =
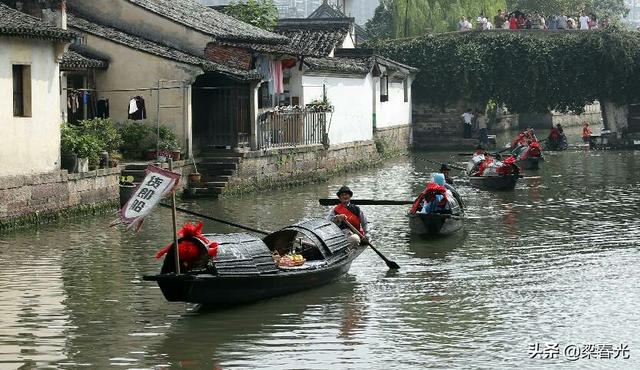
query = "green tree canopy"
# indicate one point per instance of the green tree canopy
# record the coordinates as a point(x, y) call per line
point(380, 26)
point(418, 17)
point(528, 71)
point(260, 13)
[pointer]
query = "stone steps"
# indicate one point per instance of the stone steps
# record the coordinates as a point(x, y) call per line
point(217, 167)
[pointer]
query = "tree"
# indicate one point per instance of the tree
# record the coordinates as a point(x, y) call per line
point(381, 25)
point(601, 8)
point(260, 13)
point(417, 17)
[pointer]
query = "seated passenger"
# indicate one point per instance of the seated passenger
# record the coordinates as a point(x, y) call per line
point(433, 198)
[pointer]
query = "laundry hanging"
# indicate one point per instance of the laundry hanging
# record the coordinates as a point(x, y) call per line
point(277, 77)
point(137, 110)
point(102, 109)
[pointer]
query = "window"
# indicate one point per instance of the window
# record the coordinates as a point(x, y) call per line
point(21, 90)
point(405, 86)
point(384, 88)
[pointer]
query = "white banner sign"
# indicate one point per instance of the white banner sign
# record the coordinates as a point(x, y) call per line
point(157, 184)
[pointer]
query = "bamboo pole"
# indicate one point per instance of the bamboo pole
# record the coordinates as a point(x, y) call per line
point(175, 223)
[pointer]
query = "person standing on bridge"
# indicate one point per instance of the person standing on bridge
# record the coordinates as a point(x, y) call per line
point(584, 22)
point(499, 19)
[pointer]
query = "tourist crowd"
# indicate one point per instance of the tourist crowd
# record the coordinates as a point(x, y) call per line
point(518, 20)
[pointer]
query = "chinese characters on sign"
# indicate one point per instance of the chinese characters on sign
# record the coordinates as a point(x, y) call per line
point(574, 352)
point(157, 183)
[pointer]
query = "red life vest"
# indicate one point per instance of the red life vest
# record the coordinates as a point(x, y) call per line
point(508, 166)
point(351, 217)
point(429, 193)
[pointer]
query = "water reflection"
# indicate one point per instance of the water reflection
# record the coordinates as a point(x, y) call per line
point(556, 260)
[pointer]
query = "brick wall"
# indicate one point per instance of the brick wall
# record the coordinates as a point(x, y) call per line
point(44, 195)
point(267, 169)
point(228, 55)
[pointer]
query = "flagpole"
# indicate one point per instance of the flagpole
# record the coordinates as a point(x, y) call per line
point(175, 224)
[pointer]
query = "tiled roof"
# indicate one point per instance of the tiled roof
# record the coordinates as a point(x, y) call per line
point(327, 11)
point(359, 66)
point(151, 47)
point(79, 57)
point(358, 61)
point(361, 53)
point(199, 17)
point(315, 37)
point(18, 24)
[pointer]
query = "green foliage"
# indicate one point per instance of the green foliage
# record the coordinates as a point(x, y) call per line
point(418, 17)
point(136, 139)
point(380, 26)
point(105, 130)
point(260, 13)
point(531, 71)
point(89, 138)
point(168, 140)
point(68, 138)
point(601, 8)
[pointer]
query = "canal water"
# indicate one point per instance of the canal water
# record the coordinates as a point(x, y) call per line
point(555, 262)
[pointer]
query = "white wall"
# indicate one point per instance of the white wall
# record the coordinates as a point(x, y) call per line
point(395, 111)
point(30, 145)
point(351, 98)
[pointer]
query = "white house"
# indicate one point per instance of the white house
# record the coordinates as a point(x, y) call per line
point(369, 93)
point(29, 82)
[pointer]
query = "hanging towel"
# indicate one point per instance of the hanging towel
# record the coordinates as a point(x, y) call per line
point(277, 77)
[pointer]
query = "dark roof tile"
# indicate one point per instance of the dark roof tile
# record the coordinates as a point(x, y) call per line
point(327, 11)
point(358, 66)
point(76, 59)
point(18, 24)
point(313, 37)
point(151, 47)
point(199, 17)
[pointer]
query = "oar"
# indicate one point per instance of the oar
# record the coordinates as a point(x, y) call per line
point(183, 210)
point(450, 165)
point(365, 202)
point(390, 264)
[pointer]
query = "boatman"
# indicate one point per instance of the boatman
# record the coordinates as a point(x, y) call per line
point(446, 171)
point(345, 211)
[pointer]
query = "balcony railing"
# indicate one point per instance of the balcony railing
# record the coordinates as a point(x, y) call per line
point(292, 126)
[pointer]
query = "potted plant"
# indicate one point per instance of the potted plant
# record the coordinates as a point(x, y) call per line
point(170, 148)
point(169, 144)
point(88, 149)
point(68, 143)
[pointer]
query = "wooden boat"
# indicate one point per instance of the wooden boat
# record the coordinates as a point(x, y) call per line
point(244, 269)
point(530, 163)
point(439, 224)
point(502, 182)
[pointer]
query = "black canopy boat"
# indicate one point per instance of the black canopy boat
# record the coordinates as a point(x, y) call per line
point(501, 175)
point(501, 182)
point(244, 269)
point(528, 162)
point(439, 223)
